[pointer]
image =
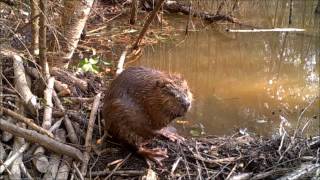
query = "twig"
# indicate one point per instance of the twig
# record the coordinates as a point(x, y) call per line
point(77, 171)
point(231, 172)
point(118, 173)
point(175, 165)
point(118, 166)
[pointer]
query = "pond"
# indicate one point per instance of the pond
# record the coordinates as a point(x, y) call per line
point(247, 81)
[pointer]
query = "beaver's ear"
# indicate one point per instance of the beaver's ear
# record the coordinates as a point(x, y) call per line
point(160, 83)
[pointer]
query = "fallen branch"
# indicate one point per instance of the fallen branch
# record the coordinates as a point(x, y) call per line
point(267, 30)
point(28, 121)
point(44, 141)
point(88, 141)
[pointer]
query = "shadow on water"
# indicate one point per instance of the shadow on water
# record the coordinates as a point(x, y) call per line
point(249, 80)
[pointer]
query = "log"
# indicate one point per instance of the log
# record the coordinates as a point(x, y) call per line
point(44, 141)
point(88, 141)
point(177, 7)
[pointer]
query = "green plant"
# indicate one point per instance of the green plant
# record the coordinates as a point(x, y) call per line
point(89, 64)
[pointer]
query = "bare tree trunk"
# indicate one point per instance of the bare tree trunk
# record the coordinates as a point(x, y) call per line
point(73, 21)
point(35, 27)
point(134, 11)
point(43, 40)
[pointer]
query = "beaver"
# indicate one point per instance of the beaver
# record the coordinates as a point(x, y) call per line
point(140, 103)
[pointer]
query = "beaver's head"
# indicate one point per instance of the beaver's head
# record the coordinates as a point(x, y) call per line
point(176, 95)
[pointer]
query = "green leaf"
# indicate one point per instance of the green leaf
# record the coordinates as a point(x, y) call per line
point(86, 67)
point(83, 62)
point(93, 60)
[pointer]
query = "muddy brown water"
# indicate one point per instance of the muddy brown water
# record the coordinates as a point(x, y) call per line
point(247, 81)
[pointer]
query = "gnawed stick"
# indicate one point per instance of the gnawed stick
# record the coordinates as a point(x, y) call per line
point(306, 170)
point(62, 88)
point(71, 132)
point(25, 93)
point(47, 115)
point(28, 121)
point(43, 140)
point(88, 141)
point(121, 61)
point(14, 156)
point(41, 161)
point(83, 85)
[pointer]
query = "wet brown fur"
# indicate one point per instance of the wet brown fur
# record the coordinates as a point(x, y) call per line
point(142, 100)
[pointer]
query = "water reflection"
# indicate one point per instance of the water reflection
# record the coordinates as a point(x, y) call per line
point(249, 80)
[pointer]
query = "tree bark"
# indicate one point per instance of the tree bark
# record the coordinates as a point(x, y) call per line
point(73, 21)
point(43, 40)
point(134, 11)
point(35, 27)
